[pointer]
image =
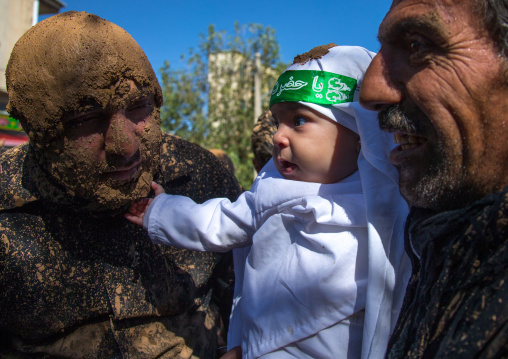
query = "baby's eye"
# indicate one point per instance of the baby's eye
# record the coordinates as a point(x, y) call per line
point(299, 121)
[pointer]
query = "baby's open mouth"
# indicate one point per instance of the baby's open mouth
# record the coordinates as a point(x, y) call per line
point(287, 167)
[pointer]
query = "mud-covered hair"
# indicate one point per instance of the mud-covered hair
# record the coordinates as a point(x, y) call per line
point(68, 61)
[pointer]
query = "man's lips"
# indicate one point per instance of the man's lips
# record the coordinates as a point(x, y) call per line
point(123, 173)
point(408, 146)
point(407, 141)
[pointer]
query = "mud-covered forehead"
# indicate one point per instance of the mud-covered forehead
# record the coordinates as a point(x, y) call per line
point(69, 62)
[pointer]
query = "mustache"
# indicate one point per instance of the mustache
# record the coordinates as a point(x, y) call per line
point(399, 118)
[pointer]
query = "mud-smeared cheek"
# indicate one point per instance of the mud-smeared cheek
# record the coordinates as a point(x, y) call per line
point(77, 163)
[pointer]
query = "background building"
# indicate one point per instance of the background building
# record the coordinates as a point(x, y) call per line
point(238, 79)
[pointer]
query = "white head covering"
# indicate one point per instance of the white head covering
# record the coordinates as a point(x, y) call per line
point(336, 79)
point(331, 86)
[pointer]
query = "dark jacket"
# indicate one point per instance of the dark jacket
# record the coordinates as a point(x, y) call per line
point(77, 284)
point(456, 304)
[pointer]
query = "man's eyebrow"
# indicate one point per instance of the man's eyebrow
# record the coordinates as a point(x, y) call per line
point(138, 96)
point(86, 106)
point(429, 25)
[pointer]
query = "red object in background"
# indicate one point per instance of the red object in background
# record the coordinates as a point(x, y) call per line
point(11, 133)
point(12, 138)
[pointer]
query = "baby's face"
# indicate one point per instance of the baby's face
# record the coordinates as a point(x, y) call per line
point(310, 147)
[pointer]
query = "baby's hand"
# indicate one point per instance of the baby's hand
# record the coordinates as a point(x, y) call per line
point(138, 208)
point(157, 189)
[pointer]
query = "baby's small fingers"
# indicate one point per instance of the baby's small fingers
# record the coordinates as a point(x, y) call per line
point(135, 211)
point(139, 206)
point(142, 201)
point(157, 188)
point(134, 219)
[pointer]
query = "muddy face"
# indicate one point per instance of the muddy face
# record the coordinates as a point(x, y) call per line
point(90, 107)
point(108, 155)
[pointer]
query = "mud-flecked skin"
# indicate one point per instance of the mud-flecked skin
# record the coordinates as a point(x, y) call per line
point(456, 304)
point(262, 137)
point(74, 284)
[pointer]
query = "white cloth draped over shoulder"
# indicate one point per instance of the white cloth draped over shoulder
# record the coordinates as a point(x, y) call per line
point(310, 259)
point(388, 265)
point(306, 266)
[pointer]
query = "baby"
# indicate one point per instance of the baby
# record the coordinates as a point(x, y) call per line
point(320, 269)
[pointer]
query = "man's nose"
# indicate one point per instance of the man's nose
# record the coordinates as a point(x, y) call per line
point(280, 138)
point(378, 91)
point(121, 138)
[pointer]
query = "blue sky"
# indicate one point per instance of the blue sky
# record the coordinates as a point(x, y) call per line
point(167, 28)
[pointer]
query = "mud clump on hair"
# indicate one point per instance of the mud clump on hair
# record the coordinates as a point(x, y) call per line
point(77, 60)
point(314, 54)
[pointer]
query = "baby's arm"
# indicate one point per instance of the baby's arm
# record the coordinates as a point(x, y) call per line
point(216, 225)
point(138, 208)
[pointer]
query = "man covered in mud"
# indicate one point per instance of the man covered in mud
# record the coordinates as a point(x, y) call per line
point(440, 80)
point(262, 140)
point(77, 279)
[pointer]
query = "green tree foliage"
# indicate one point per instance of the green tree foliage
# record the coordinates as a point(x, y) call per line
point(210, 101)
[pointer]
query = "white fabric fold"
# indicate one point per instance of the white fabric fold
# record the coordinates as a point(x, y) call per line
point(388, 265)
point(306, 269)
point(310, 259)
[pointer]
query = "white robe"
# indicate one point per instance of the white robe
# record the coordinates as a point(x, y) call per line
point(302, 276)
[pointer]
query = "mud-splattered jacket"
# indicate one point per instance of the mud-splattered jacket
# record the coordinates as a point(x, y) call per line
point(456, 304)
point(74, 284)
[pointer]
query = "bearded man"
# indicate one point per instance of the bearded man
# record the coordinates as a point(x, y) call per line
point(440, 80)
point(78, 279)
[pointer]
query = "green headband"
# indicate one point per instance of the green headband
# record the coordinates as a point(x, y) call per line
point(319, 87)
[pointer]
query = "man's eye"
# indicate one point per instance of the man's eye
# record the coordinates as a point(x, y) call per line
point(141, 105)
point(83, 121)
point(299, 121)
point(417, 45)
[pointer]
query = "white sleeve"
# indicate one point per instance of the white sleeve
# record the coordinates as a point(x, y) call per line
point(216, 225)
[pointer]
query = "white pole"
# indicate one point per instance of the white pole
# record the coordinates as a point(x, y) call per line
point(257, 87)
point(35, 14)
point(257, 94)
